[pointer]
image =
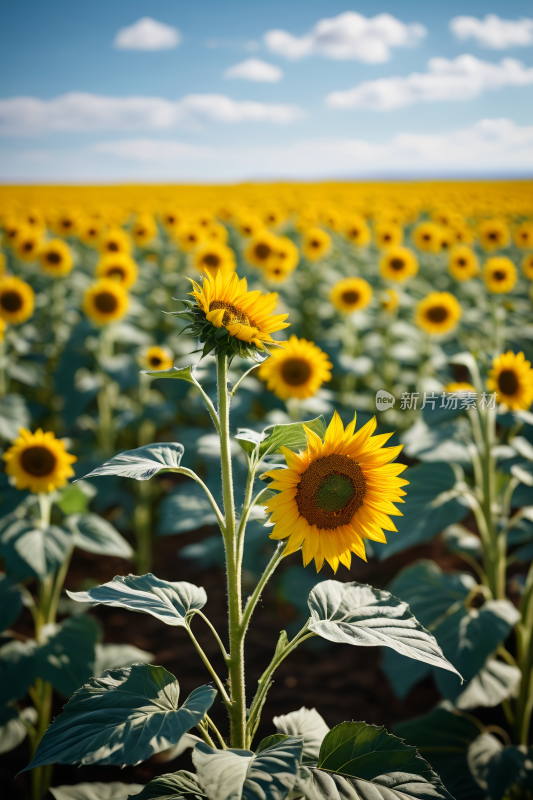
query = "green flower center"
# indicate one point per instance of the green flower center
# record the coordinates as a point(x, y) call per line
point(330, 492)
point(334, 492)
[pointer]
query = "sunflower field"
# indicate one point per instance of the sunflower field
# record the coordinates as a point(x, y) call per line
point(314, 400)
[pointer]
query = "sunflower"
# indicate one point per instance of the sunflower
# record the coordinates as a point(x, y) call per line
point(105, 301)
point(357, 231)
point(115, 240)
point(248, 224)
point(463, 234)
point(171, 220)
point(189, 236)
point(286, 254)
point(299, 370)
point(224, 301)
point(351, 294)
point(390, 300)
point(144, 230)
point(316, 243)
point(460, 386)
point(332, 219)
point(65, 223)
point(2, 264)
point(439, 312)
point(38, 462)
point(216, 233)
point(398, 264)
point(428, 237)
point(35, 219)
point(90, 229)
point(12, 228)
point(447, 238)
point(527, 266)
point(55, 258)
point(158, 358)
point(213, 256)
point(272, 217)
point(387, 234)
point(499, 274)
point(511, 377)
point(118, 267)
point(494, 234)
point(463, 263)
point(17, 300)
point(260, 249)
point(336, 494)
point(523, 236)
point(28, 243)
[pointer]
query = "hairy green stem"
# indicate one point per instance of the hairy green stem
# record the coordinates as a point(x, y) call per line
point(253, 600)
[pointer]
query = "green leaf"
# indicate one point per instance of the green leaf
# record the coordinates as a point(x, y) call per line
point(243, 775)
point(291, 435)
point(114, 656)
point(354, 613)
point(75, 499)
point(36, 551)
point(18, 669)
point(501, 771)
point(122, 718)
point(248, 439)
point(66, 659)
point(14, 415)
point(143, 462)
point(94, 534)
point(12, 728)
point(170, 602)
point(305, 722)
point(186, 509)
point(180, 785)
point(96, 791)
point(10, 602)
point(182, 373)
point(495, 682)
point(435, 443)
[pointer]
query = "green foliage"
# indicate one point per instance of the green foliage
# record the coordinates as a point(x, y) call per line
point(143, 462)
point(180, 785)
point(307, 723)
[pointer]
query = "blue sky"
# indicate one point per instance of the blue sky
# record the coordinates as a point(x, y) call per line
point(430, 90)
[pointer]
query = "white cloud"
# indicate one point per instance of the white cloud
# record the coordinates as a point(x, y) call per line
point(147, 34)
point(348, 36)
point(253, 69)
point(463, 78)
point(494, 32)
point(152, 149)
point(81, 112)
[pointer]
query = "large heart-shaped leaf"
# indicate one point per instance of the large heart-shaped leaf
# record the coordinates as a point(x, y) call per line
point(10, 602)
point(167, 601)
point(495, 682)
point(269, 774)
point(18, 669)
point(123, 717)
point(96, 535)
point(354, 613)
point(358, 750)
point(66, 659)
point(307, 723)
point(114, 790)
point(30, 549)
point(291, 435)
point(498, 769)
point(180, 785)
point(315, 784)
point(143, 462)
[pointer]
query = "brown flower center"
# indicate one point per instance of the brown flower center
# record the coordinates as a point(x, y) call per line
point(106, 302)
point(232, 313)
point(211, 260)
point(38, 461)
point(330, 491)
point(508, 382)
point(11, 301)
point(493, 236)
point(387, 237)
point(28, 247)
point(426, 237)
point(155, 361)
point(141, 231)
point(113, 247)
point(351, 297)
point(461, 262)
point(315, 243)
point(437, 313)
point(397, 264)
point(295, 371)
point(499, 275)
point(262, 251)
point(53, 257)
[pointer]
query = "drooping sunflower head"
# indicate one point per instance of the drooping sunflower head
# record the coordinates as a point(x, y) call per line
point(261, 248)
point(105, 301)
point(336, 494)
point(28, 244)
point(398, 264)
point(119, 267)
point(356, 229)
point(144, 229)
point(499, 274)
point(494, 234)
point(527, 266)
point(212, 256)
point(387, 234)
point(115, 241)
point(389, 300)
point(438, 313)
point(157, 358)
point(523, 236)
point(225, 302)
point(428, 237)
point(351, 294)
point(299, 370)
point(511, 377)
point(17, 300)
point(316, 243)
point(55, 258)
point(39, 462)
point(463, 263)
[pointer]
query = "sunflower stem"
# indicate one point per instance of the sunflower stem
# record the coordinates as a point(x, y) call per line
point(254, 598)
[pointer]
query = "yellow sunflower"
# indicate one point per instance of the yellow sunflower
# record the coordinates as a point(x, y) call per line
point(527, 266)
point(286, 254)
point(35, 219)
point(447, 238)
point(2, 264)
point(523, 236)
point(65, 223)
point(226, 302)
point(511, 377)
point(114, 241)
point(158, 358)
point(248, 224)
point(118, 267)
point(90, 229)
point(463, 263)
point(332, 218)
point(390, 300)
point(439, 312)
point(28, 243)
point(38, 462)
point(428, 237)
point(299, 370)
point(143, 230)
point(189, 236)
point(105, 301)
point(272, 217)
point(211, 256)
point(216, 233)
point(316, 243)
point(351, 294)
point(171, 220)
point(17, 300)
point(493, 234)
point(387, 234)
point(261, 248)
point(357, 231)
point(55, 258)
point(336, 494)
point(398, 264)
point(499, 274)
point(12, 227)
point(463, 234)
